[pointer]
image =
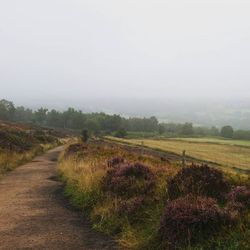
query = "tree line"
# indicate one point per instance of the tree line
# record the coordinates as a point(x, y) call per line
point(101, 123)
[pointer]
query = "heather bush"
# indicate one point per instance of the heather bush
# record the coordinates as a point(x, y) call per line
point(129, 180)
point(14, 141)
point(75, 149)
point(115, 161)
point(198, 180)
point(189, 219)
point(239, 195)
point(234, 209)
point(131, 206)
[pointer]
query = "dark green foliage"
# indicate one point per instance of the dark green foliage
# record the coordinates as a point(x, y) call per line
point(190, 219)
point(15, 141)
point(7, 110)
point(129, 180)
point(141, 124)
point(41, 115)
point(241, 135)
point(227, 132)
point(55, 119)
point(103, 124)
point(121, 133)
point(85, 135)
point(198, 180)
point(187, 129)
point(161, 129)
point(23, 115)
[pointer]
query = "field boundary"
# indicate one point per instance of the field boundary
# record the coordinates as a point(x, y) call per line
point(160, 152)
point(200, 142)
point(174, 156)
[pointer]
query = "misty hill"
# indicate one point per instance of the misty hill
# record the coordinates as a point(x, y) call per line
point(201, 112)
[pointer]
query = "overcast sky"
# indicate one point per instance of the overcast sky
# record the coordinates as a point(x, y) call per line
point(76, 49)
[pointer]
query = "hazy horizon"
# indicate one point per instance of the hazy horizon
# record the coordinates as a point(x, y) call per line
point(128, 57)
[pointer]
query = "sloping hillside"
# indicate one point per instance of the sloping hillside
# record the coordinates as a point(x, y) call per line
point(21, 142)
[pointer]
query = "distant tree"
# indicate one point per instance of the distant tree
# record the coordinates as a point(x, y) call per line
point(187, 129)
point(153, 124)
point(161, 129)
point(23, 114)
point(85, 135)
point(54, 118)
point(200, 131)
point(115, 122)
point(214, 131)
point(241, 135)
point(40, 115)
point(227, 132)
point(121, 133)
point(7, 110)
point(93, 126)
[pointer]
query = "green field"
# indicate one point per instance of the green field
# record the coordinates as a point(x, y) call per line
point(228, 153)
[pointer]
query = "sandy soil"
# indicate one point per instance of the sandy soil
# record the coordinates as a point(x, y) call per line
point(35, 215)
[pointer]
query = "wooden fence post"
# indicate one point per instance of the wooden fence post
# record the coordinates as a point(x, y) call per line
point(184, 158)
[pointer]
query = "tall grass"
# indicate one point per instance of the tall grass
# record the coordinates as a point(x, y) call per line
point(82, 180)
point(83, 185)
point(9, 160)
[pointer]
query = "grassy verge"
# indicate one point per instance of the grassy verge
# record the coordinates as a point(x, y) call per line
point(9, 160)
point(20, 143)
point(134, 217)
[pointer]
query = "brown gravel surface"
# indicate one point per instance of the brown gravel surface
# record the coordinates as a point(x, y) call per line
point(35, 215)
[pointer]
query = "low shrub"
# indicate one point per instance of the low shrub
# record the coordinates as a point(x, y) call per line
point(189, 219)
point(131, 206)
point(115, 161)
point(240, 195)
point(129, 180)
point(14, 141)
point(234, 209)
point(76, 148)
point(198, 180)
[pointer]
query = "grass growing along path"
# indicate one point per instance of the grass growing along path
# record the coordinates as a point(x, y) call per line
point(93, 185)
point(10, 160)
point(19, 143)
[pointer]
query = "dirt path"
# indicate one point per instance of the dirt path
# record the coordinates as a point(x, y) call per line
point(34, 214)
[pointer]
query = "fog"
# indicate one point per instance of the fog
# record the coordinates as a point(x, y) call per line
point(125, 56)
